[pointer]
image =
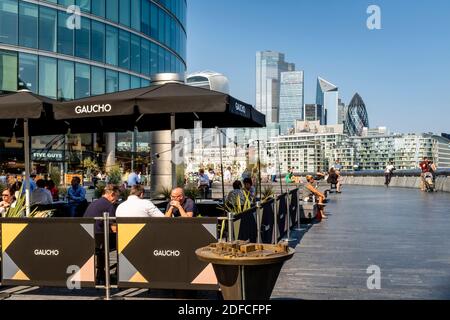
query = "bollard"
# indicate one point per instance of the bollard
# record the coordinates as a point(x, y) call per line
point(258, 221)
point(106, 248)
point(230, 227)
point(299, 228)
point(275, 220)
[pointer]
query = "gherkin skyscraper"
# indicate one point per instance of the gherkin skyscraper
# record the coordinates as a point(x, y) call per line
point(357, 117)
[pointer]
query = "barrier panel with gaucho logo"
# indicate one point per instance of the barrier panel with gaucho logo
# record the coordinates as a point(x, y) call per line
point(48, 252)
point(159, 253)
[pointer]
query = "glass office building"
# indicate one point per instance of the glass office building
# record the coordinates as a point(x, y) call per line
point(111, 45)
point(71, 49)
point(291, 99)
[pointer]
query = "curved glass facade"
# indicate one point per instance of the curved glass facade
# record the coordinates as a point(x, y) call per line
point(357, 118)
point(111, 45)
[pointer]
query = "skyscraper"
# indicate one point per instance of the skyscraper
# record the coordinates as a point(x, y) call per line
point(327, 95)
point(314, 112)
point(291, 99)
point(269, 66)
point(341, 112)
point(357, 117)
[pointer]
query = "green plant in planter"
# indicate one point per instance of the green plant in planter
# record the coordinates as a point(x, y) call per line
point(115, 175)
point(191, 191)
point(267, 193)
point(99, 189)
point(19, 210)
point(237, 207)
point(165, 192)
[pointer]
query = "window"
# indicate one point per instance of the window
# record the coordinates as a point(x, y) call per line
point(8, 71)
point(98, 41)
point(145, 57)
point(28, 72)
point(145, 83)
point(154, 68)
point(135, 53)
point(66, 3)
point(82, 81)
point(112, 10)
point(161, 59)
point(124, 12)
point(145, 17)
point(98, 81)
point(111, 45)
point(82, 39)
point(47, 77)
point(98, 8)
point(8, 21)
point(28, 25)
point(136, 14)
point(124, 81)
point(47, 29)
point(154, 21)
point(65, 35)
point(65, 80)
point(112, 81)
point(124, 49)
point(85, 5)
point(161, 26)
point(135, 82)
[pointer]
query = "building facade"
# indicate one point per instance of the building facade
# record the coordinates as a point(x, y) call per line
point(357, 118)
point(314, 112)
point(291, 99)
point(70, 49)
point(269, 66)
point(327, 95)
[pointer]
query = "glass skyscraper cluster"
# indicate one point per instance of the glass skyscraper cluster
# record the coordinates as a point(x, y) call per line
point(269, 66)
point(112, 45)
point(291, 99)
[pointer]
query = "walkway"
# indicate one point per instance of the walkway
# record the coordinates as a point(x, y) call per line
point(403, 231)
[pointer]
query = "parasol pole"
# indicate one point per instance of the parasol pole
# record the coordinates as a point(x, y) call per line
point(221, 164)
point(27, 166)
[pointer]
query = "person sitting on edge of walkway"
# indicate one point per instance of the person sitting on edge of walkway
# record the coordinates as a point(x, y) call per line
point(424, 167)
point(180, 205)
point(333, 178)
point(388, 173)
point(136, 206)
point(309, 190)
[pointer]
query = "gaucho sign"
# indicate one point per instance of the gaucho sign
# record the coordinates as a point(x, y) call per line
point(95, 108)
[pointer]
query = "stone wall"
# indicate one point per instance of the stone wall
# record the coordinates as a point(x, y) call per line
point(442, 182)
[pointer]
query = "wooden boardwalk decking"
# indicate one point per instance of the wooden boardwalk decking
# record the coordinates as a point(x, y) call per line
point(404, 232)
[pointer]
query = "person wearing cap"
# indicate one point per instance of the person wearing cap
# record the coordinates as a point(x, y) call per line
point(309, 190)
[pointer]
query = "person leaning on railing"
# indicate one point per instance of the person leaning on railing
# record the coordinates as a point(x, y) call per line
point(310, 191)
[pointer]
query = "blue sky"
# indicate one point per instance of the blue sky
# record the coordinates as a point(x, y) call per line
point(401, 71)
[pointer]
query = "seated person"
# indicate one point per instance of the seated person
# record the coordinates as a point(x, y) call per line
point(289, 176)
point(76, 195)
point(180, 206)
point(50, 186)
point(310, 190)
point(137, 206)
point(8, 201)
point(236, 197)
point(333, 178)
point(41, 195)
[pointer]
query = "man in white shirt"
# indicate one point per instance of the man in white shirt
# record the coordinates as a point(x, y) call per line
point(136, 206)
point(40, 195)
